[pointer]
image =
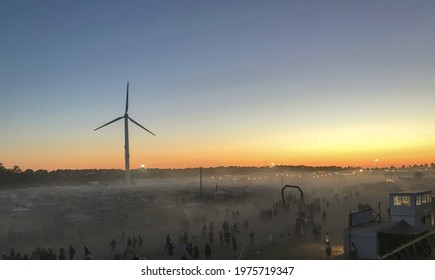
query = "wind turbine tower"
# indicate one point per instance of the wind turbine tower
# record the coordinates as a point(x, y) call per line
point(126, 145)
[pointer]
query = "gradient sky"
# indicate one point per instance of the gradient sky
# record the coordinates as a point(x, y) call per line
point(219, 82)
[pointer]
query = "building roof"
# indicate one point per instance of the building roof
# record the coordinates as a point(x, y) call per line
point(400, 228)
point(411, 192)
point(371, 225)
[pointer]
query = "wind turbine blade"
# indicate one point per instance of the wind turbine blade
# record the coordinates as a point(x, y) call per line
point(126, 101)
point(117, 119)
point(140, 125)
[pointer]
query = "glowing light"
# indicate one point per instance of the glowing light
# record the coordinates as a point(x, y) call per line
point(142, 165)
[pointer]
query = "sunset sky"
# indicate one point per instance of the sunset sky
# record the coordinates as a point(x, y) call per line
point(219, 82)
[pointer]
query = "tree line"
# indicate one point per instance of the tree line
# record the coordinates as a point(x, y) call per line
point(16, 177)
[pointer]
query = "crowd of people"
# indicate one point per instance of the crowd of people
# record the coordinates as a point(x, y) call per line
point(221, 235)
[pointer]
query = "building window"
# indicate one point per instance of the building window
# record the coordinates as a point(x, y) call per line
point(424, 198)
point(418, 200)
point(402, 200)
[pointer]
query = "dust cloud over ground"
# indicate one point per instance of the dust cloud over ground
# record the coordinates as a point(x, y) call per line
point(91, 216)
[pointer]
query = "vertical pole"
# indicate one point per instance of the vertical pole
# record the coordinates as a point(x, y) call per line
point(200, 181)
point(350, 234)
point(127, 152)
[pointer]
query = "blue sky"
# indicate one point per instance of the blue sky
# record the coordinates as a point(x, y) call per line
point(219, 82)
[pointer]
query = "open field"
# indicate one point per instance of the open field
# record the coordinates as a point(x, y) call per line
point(55, 217)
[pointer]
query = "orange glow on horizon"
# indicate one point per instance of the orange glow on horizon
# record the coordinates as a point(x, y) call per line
point(188, 159)
point(339, 146)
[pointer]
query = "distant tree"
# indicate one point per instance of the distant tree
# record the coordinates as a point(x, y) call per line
point(16, 169)
point(403, 166)
point(27, 176)
point(432, 165)
point(40, 176)
point(426, 165)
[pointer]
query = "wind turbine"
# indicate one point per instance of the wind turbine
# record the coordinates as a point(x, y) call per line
point(126, 146)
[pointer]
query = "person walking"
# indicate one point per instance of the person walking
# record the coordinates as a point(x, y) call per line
point(113, 245)
point(71, 252)
point(207, 252)
point(122, 233)
point(328, 249)
point(196, 253)
point(252, 238)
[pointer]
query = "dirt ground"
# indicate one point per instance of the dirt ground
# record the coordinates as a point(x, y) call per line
point(55, 217)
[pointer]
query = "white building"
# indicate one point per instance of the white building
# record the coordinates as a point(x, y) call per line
point(414, 207)
point(410, 216)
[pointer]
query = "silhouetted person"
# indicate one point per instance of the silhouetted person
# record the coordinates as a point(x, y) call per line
point(328, 249)
point(113, 244)
point(168, 241)
point(72, 252)
point(12, 254)
point(196, 253)
point(51, 254)
point(140, 241)
point(171, 249)
point(190, 250)
point(62, 254)
point(227, 238)
point(134, 242)
point(234, 242)
point(207, 251)
point(87, 252)
point(211, 237)
point(122, 233)
point(252, 238)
